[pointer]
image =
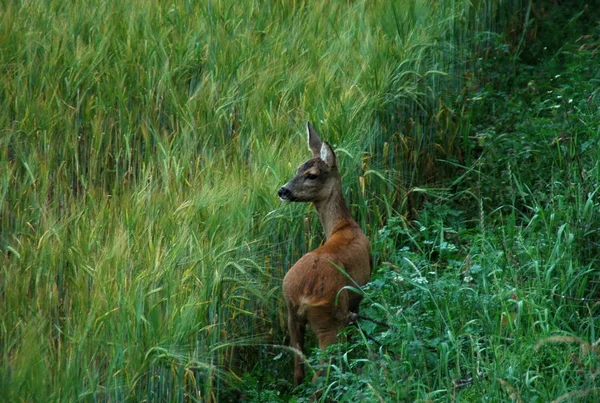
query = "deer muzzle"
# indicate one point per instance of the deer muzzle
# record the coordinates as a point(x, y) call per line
point(285, 194)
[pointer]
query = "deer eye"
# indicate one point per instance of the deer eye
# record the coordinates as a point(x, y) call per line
point(311, 177)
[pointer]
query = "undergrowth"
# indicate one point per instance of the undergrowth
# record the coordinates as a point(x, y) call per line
point(492, 291)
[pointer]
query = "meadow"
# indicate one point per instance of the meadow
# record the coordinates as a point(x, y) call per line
point(142, 245)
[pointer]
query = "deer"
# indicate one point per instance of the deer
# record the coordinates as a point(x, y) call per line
point(318, 288)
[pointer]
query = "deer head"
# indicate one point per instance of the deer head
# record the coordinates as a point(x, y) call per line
point(318, 178)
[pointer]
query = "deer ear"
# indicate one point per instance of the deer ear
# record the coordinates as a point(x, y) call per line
point(314, 142)
point(327, 155)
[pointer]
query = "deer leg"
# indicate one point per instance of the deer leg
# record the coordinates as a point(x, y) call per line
point(354, 303)
point(327, 323)
point(297, 329)
point(352, 318)
point(325, 338)
point(328, 337)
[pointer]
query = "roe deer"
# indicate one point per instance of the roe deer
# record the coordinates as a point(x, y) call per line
point(314, 287)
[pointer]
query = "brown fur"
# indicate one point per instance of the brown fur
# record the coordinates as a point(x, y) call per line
point(311, 288)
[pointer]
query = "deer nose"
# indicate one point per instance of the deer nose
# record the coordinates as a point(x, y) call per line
point(284, 193)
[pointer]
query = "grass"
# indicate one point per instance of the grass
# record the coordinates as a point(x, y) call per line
point(142, 245)
point(492, 290)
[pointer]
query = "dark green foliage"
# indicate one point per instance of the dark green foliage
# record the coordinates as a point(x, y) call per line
point(484, 287)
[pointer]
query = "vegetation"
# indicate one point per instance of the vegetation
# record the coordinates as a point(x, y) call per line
point(142, 245)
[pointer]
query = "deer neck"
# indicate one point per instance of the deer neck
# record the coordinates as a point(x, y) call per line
point(333, 213)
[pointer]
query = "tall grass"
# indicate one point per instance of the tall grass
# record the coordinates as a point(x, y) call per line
point(492, 291)
point(142, 143)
